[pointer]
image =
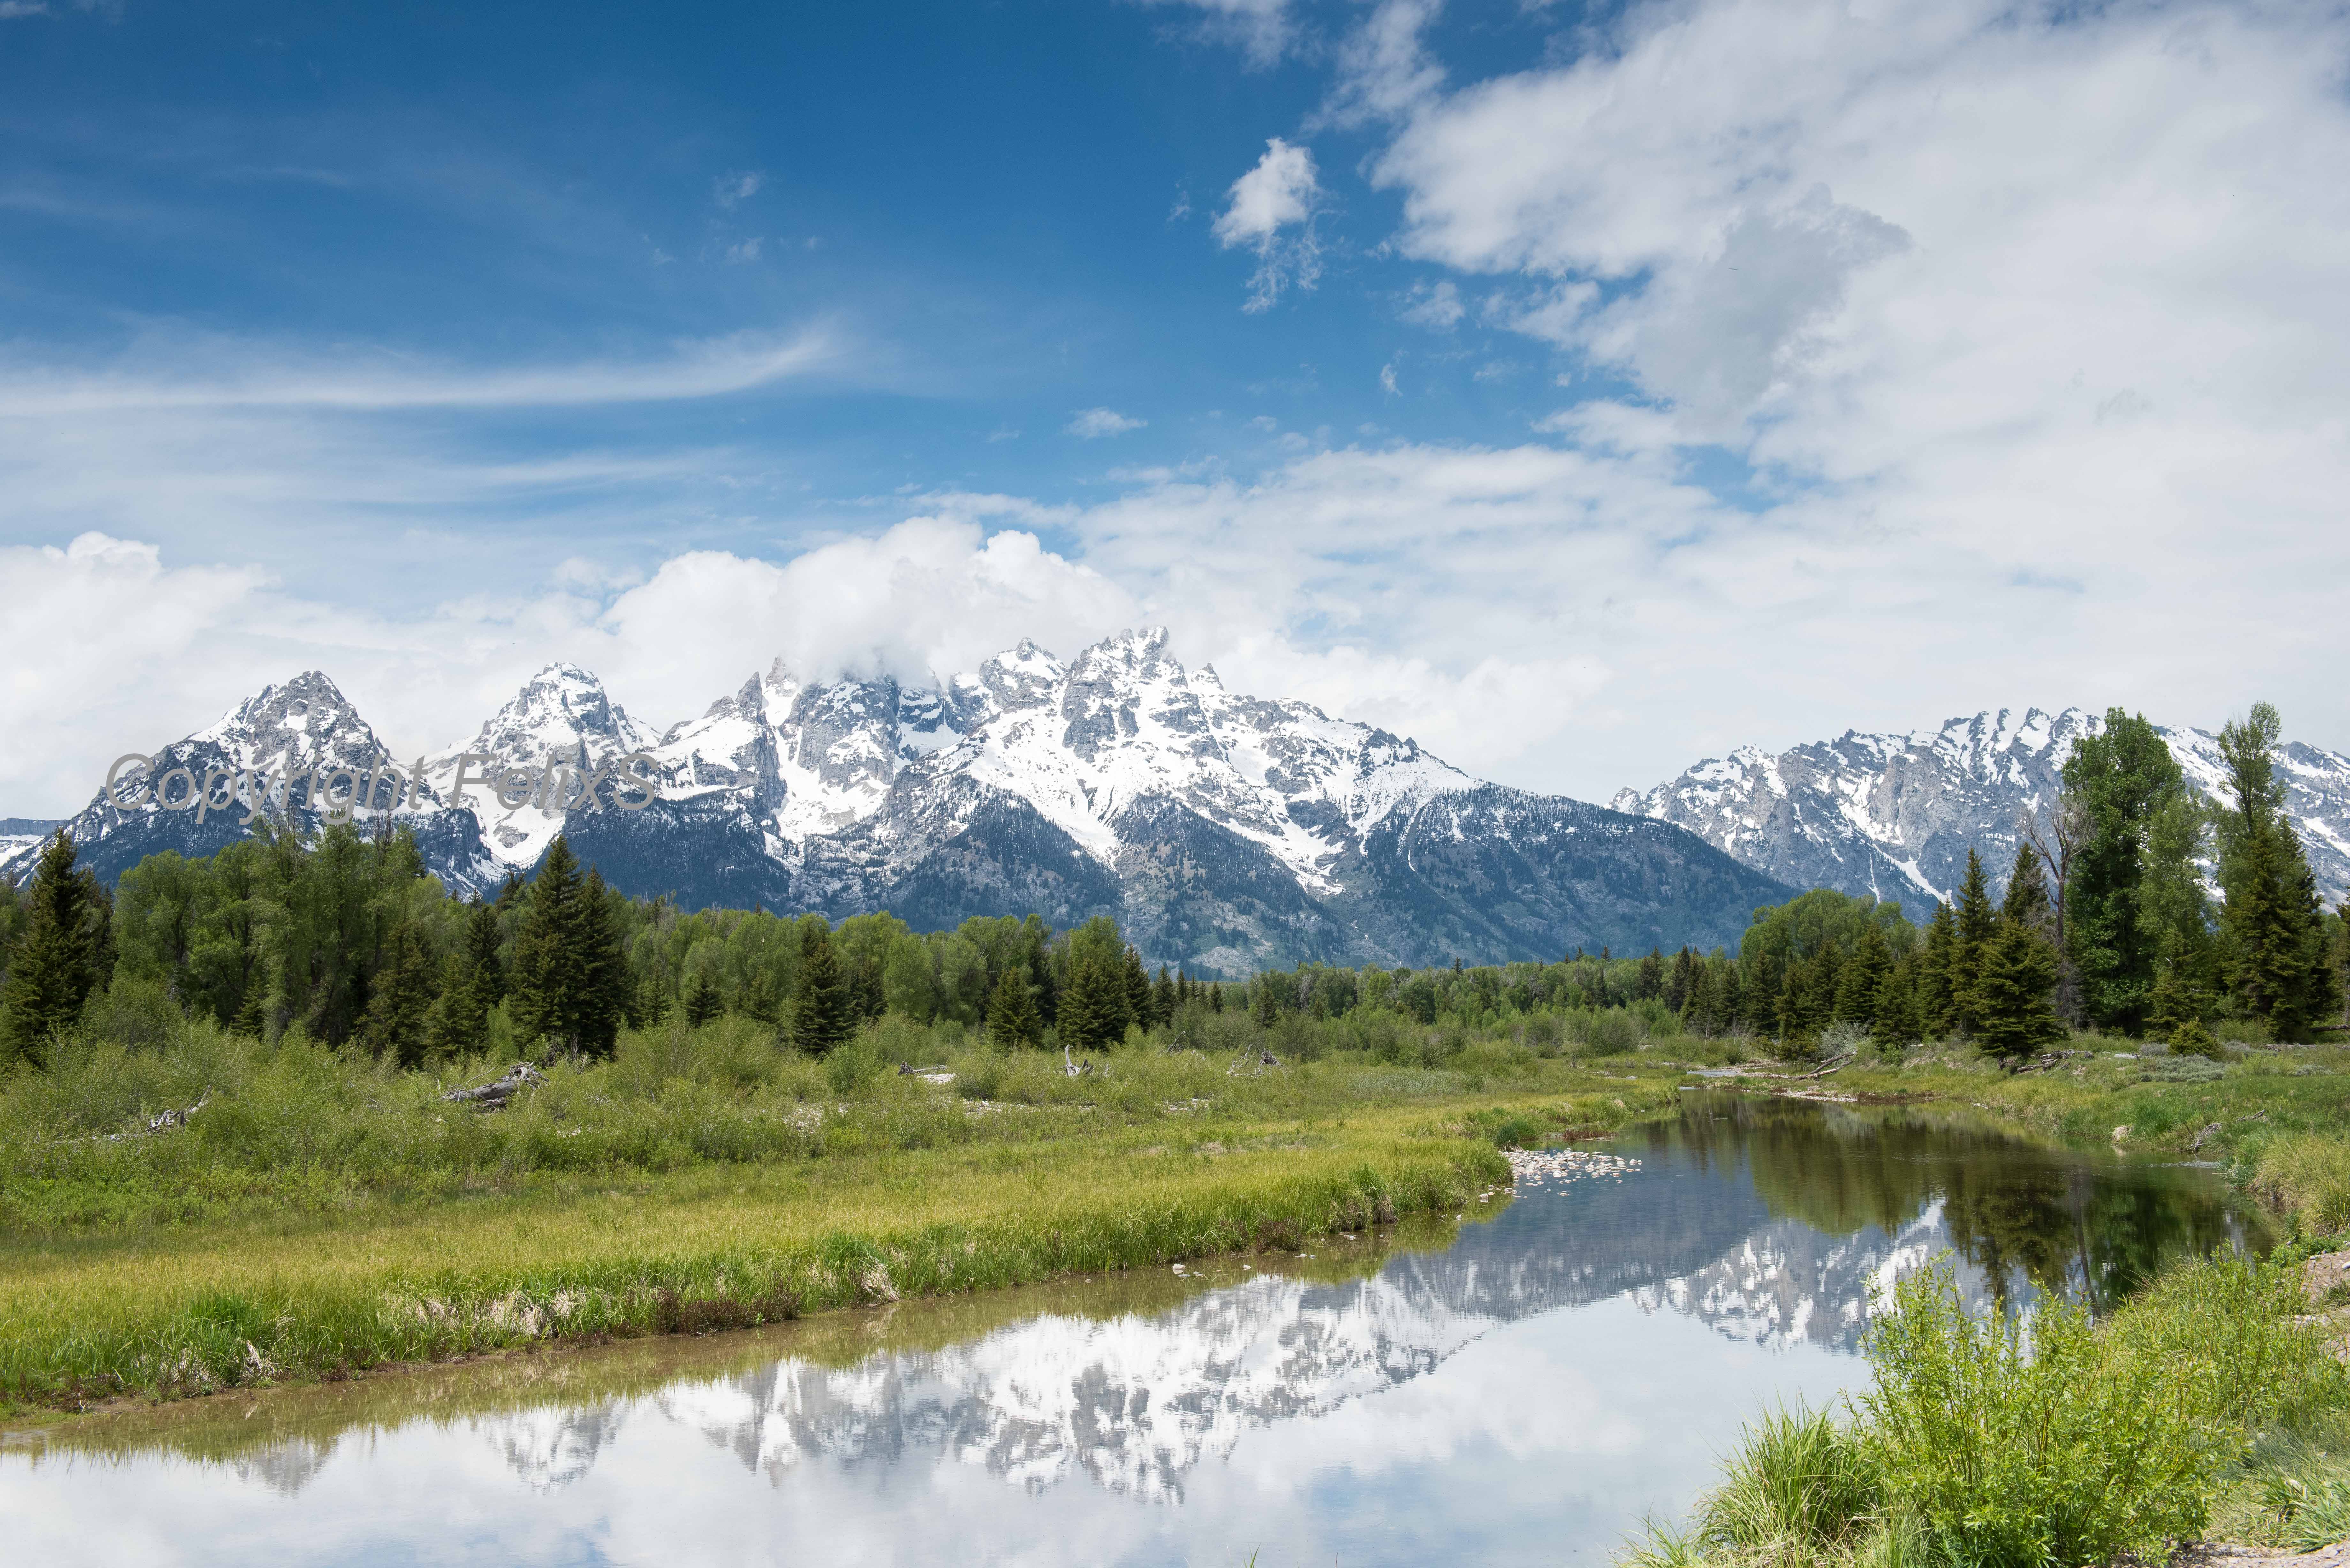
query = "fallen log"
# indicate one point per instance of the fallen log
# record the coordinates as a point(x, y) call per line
point(164, 1121)
point(494, 1096)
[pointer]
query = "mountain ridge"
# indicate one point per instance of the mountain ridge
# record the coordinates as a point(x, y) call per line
point(1892, 814)
point(1225, 832)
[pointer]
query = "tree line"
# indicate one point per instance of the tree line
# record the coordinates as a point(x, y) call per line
point(2105, 923)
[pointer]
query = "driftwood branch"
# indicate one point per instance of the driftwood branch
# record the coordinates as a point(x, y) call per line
point(494, 1096)
point(1075, 1068)
point(163, 1121)
point(1838, 1065)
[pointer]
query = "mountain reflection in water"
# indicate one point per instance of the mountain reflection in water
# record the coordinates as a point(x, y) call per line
point(1771, 1222)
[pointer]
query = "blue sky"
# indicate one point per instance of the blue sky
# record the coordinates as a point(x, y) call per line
point(1582, 392)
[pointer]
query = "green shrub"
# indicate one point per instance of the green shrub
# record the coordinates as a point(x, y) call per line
point(2013, 1458)
point(2193, 1039)
point(1608, 1032)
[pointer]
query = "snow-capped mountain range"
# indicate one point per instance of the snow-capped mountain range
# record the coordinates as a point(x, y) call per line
point(1893, 815)
point(1225, 832)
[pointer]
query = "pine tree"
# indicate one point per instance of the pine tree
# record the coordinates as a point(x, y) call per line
point(2273, 921)
point(2120, 779)
point(63, 957)
point(655, 997)
point(1216, 996)
point(570, 980)
point(1164, 999)
point(1978, 923)
point(2014, 1014)
point(1896, 1019)
point(827, 1015)
point(1012, 1018)
point(473, 982)
point(1650, 984)
point(1937, 988)
point(2027, 902)
point(703, 1004)
point(394, 1026)
point(1683, 983)
point(1266, 1010)
point(1137, 994)
point(603, 1007)
point(1863, 977)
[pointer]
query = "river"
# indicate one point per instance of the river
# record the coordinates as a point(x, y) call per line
point(1523, 1385)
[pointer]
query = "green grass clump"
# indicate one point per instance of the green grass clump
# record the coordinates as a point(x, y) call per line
point(1987, 1441)
point(2308, 1173)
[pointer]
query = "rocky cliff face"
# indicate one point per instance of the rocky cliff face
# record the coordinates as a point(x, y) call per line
point(1226, 832)
point(1892, 815)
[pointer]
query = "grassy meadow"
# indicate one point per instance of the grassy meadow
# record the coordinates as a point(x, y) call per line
point(324, 1212)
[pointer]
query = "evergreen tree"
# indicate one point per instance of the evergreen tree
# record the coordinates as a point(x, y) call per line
point(2174, 914)
point(1267, 1009)
point(2014, 1014)
point(1863, 978)
point(1978, 923)
point(400, 999)
point(65, 954)
point(2027, 902)
point(1936, 987)
point(2273, 922)
point(703, 1004)
point(1093, 1003)
point(1677, 988)
point(827, 1015)
point(569, 978)
point(1898, 1020)
point(2119, 778)
point(1650, 984)
point(759, 998)
point(1137, 994)
point(1012, 1018)
point(656, 996)
point(473, 982)
point(1164, 999)
point(1216, 996)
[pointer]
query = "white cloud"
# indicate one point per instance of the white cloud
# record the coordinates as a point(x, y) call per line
point(1090, 424)
point(1263, 30)
point(1387, 380)
point(189, 372)
point(731, 190)
point(1436, 304)
point(1279, 193)
point(744, 250)
point(1383, 69)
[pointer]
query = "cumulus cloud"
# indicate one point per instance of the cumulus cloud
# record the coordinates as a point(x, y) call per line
point(1270, 210)
point(1090, 424)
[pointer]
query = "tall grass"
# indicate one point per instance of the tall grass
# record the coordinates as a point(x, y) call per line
point(323, 1210)
point(1987, 1441)
point(192, 1311)
point(2309, 1175)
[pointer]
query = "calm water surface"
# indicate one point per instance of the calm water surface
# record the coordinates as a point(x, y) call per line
point(1521, 1388)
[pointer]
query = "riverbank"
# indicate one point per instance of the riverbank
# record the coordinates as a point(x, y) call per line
point(320, 1216)
point(2212, 1405)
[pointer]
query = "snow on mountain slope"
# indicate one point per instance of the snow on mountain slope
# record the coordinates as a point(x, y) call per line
point(1892, 815)
point(1226, 831)
point(300, 753)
